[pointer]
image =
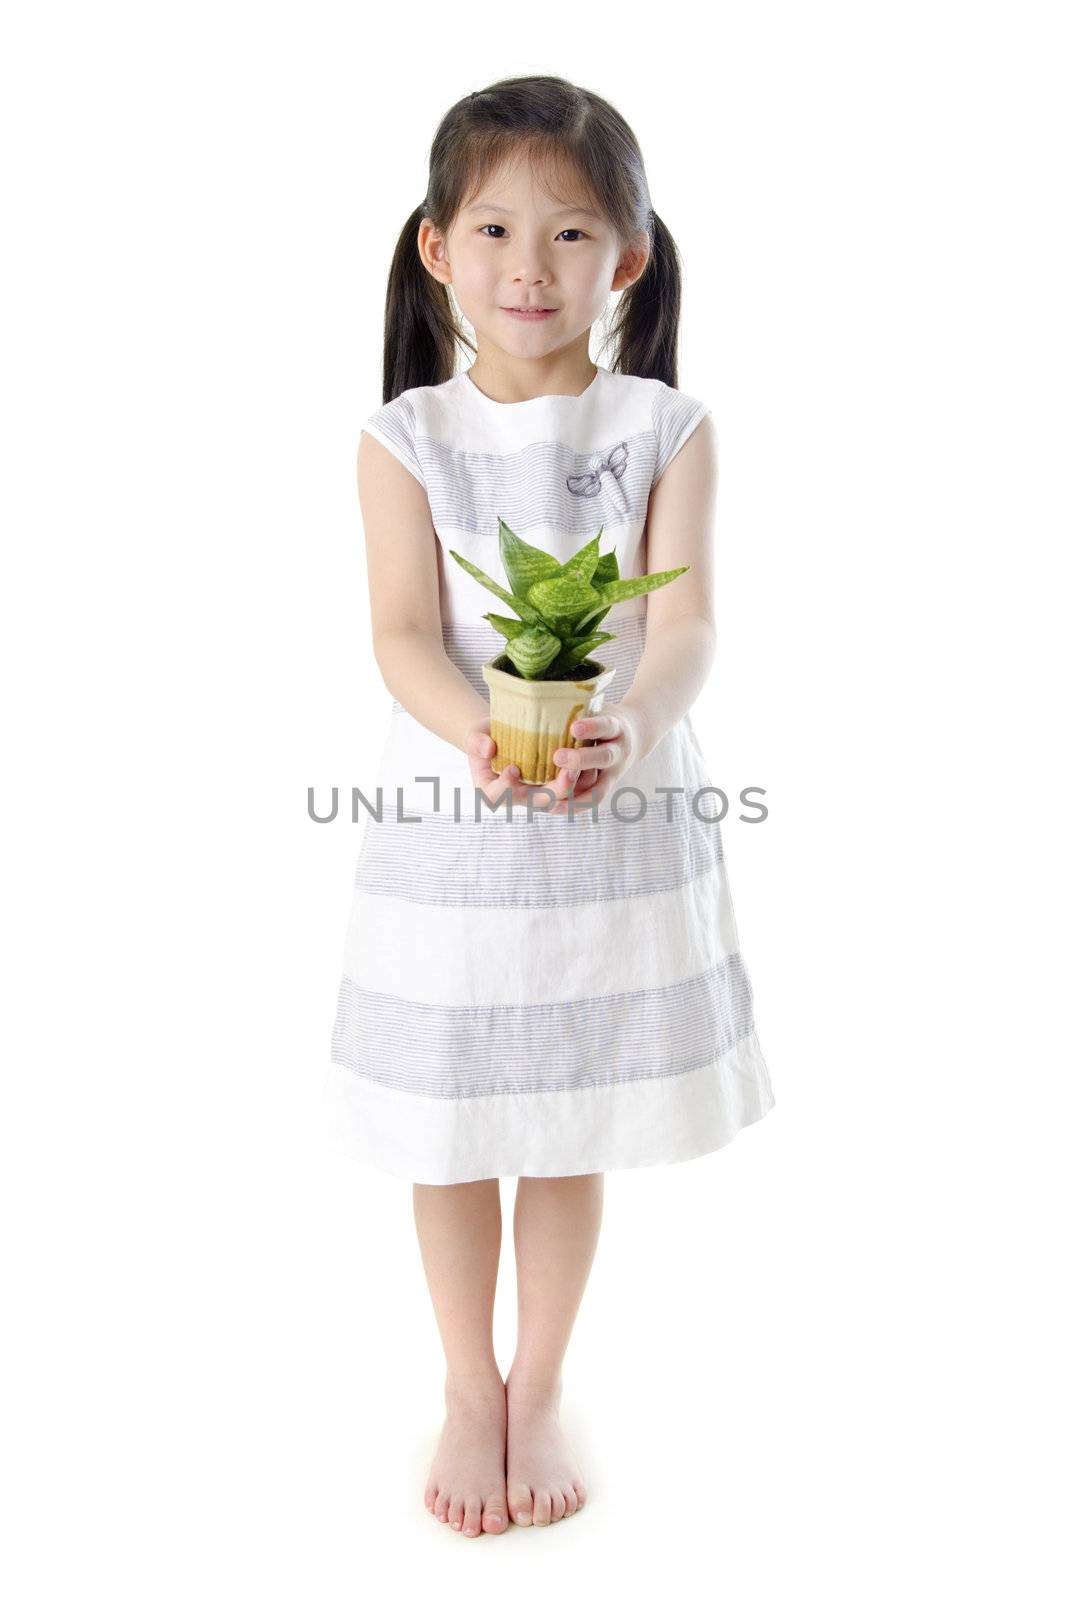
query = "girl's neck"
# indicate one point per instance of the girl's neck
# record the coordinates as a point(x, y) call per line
point(507, 379)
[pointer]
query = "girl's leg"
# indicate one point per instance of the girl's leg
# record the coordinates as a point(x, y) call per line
point(557, 1225)
point(459, 1238)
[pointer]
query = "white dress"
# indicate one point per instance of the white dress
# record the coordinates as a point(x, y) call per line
point(550, 995)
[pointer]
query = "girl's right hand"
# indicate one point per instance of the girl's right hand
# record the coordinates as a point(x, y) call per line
point(480, 745)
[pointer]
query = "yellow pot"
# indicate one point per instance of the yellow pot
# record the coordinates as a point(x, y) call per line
point(530, 718)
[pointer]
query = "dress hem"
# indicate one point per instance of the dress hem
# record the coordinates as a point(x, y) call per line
point(621, 1128)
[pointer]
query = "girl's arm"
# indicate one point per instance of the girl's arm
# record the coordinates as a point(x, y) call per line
point(401, 550)
point(680, 638)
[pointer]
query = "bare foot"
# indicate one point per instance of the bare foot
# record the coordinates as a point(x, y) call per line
point(544, 1480)
point(466, 1483)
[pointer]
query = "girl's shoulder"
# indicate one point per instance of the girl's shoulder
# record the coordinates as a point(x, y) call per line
point(635, 406)
point(675, 415)
point(401, 422)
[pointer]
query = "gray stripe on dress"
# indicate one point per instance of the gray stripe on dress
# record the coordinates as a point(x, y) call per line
point(451, 1052)
point(396, 423)
point(468, 490)
point(675, 416)
point(548, 861)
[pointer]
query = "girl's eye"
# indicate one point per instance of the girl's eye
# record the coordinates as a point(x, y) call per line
point(501, 227)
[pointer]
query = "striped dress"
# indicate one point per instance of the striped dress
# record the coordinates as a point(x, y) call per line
point(551, 994)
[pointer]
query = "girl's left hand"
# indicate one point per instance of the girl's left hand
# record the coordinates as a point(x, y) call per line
point(621, 736)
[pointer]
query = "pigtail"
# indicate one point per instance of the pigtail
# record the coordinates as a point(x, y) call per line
point(420, 329)
point(646, 324)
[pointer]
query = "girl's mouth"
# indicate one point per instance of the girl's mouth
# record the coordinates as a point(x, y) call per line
point(531, 316)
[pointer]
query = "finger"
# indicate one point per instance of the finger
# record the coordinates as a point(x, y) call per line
point(589, 772)
point(568, 789)
point(482, 772)
point(549, 796)
point(493, 784)
point(602, 726)
point(593, 794)
point(563, 786)
point(601, 755)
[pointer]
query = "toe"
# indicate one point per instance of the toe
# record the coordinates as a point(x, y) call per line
point(559, 1505)
point(570, 1498)
point(455, 1511)
point(472, 1517)
point(495, 1515)
point(579, 1489)
point(430, 1496)
point(440, 1505)
point(520, 1500)
point(542, 1514)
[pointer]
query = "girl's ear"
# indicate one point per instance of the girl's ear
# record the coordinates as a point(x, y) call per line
point(433, 251)
point(632, 262)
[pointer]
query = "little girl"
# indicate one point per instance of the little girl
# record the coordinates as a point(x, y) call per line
point(558, 992)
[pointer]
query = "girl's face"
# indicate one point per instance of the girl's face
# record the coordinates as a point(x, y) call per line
point(520, 244)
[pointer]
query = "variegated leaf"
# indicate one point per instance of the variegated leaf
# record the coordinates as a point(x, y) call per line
point(628, 588)
point(583, 563)
point(524, 563)
point(607, 570)
point(578, 651)
point(508, 626)
point(560, 598)
point(527, 612)
point(532, 650)
point(589, 622)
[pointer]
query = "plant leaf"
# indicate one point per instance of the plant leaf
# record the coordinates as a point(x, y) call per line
point(590, 622)
point(607, 570)
point(628, 588)
point(524, 610)
point(583, 563)
point(532, 650)
point(577, 652)
point(508, 626)
point(563, 597)
point(524, 563)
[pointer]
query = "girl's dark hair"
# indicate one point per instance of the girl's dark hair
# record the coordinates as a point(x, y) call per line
point(557, 125)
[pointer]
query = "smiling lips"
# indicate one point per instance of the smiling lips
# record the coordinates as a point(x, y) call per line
point(530, 313)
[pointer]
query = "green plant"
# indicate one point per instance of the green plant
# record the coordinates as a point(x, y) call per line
point(558, 604)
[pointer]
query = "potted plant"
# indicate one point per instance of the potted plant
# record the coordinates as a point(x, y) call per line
point(545, 678)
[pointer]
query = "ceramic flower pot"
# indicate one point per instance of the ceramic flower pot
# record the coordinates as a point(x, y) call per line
point(530, 718)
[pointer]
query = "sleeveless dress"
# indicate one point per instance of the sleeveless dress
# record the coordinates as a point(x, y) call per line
point(548, 995)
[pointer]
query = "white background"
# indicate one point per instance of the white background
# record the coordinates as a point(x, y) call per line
point(826, 1358)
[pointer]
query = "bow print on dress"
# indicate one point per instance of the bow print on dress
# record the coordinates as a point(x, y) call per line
point(588, 483)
